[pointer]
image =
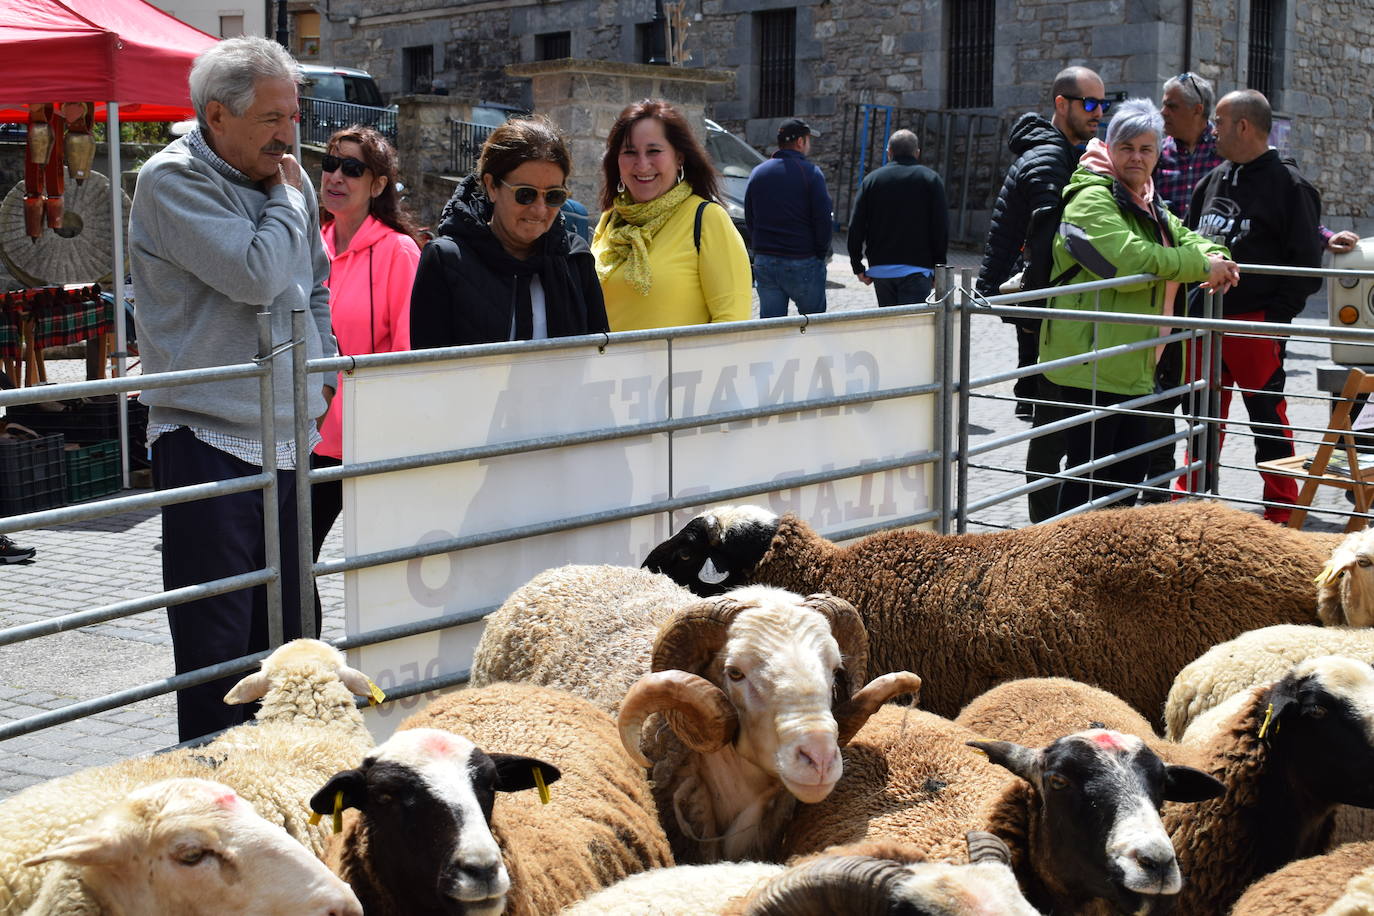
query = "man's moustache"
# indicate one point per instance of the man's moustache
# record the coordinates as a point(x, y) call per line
point(272, 148)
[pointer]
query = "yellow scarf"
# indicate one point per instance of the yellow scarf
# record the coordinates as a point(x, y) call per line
point(630, 230)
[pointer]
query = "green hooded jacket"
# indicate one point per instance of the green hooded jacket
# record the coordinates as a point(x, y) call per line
point(1106, 234)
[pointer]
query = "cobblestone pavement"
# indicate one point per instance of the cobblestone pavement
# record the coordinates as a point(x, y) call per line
point(95, 563)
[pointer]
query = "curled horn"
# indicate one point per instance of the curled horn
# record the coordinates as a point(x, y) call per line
point(855, 885)
point(691, 639)
point(987, 847)
point(697, 710)
point(848, 630)
point(851, 715)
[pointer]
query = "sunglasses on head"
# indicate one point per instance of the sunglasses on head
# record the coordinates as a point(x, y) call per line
point(353, 168)
point(526, 195)
point(1090, 104)
point(1186, 75)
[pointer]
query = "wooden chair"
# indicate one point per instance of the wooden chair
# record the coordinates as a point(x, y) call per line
point(1312, 467)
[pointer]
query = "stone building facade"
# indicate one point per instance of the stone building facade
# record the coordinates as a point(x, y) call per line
point(993, 57)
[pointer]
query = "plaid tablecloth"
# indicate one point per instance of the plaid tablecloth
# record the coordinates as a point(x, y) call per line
point(11, 346)
point(54, 325)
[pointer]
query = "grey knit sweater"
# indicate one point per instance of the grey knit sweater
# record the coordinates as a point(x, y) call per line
point(208, 249)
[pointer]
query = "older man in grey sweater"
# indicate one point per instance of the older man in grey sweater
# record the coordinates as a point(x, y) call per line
point(224, 225)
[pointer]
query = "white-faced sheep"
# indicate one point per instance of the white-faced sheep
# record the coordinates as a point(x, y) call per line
point(1119, 598)
point(1288, 754)
point(307, 729)
point(1345, 587)
point(870, 879)
point(430, 836)
point(1339, 883)
point(1080, 815)
point(186, 847)
point(755, 688)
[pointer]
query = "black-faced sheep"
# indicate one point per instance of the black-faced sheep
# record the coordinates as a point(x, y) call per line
point(429, 837)
point(307, 729)
point(186, 847)
point(755, 689)
point(871, 879)
point(1119, 598)
point(1339, 883)
point(1288, 754)
point(1080, 815)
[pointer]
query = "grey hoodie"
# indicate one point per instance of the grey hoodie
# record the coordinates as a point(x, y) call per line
point(208, 251)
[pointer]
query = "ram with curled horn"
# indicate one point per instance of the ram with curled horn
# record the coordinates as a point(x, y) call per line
point(754, 688)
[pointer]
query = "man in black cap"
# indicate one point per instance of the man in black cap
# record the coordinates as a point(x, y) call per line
point(788, 212)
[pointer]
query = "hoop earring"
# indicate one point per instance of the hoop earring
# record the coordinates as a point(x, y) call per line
point(680, 172)
point(620, 186)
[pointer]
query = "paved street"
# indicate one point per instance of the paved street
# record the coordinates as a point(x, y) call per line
point(95, 563)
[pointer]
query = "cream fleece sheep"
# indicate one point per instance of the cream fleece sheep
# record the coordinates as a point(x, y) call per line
point(1336, 884)
point(685, 890)
point(1285, 766)
point(1345, 588)
point(588, 630)
point(1119, 598)
point(601, 824)
point(307, 730)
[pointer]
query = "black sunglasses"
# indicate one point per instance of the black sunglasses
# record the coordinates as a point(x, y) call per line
point(1090, 103)
point(353, 168)
point(1192, 82)
point(526, 195)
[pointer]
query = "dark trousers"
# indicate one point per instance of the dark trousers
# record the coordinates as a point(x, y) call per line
point(326, 502)
point(210, 539)
point(909, 290)
point(1111, 434)
point(1027, 354)
point(1045, 454)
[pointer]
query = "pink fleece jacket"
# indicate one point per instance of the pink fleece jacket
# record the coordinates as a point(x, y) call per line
point(369, 302)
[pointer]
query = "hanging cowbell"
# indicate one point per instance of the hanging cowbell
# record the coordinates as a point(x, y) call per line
point(37, 152)
point(80, 143)
point(53, 178)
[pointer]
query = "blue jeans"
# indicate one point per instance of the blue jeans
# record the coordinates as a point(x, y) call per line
point(779, 279)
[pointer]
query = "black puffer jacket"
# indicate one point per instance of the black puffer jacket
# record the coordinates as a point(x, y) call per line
point(1045, 160)
point(467, 285)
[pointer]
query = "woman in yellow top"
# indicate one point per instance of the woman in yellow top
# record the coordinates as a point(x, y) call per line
point(653, 273)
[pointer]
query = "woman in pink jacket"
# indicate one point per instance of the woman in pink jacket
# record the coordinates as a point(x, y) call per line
point(373, 253)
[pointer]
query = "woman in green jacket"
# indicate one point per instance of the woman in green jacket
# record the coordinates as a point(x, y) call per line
point(1114, 225)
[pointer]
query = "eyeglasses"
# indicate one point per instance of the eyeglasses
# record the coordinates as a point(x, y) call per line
point(353, 168)
point(526, 195)
point(1089, 103)
point(1186, 75)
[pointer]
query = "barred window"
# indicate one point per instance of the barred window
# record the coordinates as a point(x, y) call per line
point(777, 57)
point(553, 46)
point(969, 76)
point(1266, 46)
point(418, 68)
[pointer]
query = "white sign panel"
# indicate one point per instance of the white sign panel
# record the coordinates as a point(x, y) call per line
point(409, 410)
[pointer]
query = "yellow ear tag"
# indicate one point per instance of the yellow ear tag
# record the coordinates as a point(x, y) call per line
point(540, 785)
point(1327, 574)
point(338, 811)
point(374, 694)
point(1268, 716)
point(979, 751)
point(314, 818)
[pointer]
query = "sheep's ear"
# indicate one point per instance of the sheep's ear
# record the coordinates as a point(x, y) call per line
point(99, 848)
point(355, 681)
point(515, 773)
point(253, 687)
point(1023, 761)
point(1188, 784)
point(353, 785)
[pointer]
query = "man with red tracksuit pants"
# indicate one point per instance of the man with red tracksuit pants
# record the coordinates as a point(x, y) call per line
point(1259, 206)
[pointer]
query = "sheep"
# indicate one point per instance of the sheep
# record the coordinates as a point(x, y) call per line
point(872, 878)
point(1119, 598)
point(1257, 657)
point(1345, 586)
point(1288, 754)
point(754, 688)
point(1339, 883)
point(307, 729)
point(1081, 814)
point(434, 781)
point(186, 847)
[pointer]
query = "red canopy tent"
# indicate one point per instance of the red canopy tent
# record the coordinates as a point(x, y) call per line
point(124, 51)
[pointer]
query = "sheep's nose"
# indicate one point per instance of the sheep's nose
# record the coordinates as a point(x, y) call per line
point(481, 874)
point(820, 754)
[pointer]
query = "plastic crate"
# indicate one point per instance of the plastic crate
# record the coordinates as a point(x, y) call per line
point(33, 475)
point(91, 422)
point(92, 470)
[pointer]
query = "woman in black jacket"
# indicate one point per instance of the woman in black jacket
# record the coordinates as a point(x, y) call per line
point(504, 266)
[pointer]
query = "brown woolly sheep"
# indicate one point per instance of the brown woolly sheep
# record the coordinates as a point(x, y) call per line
point(1340, 883)
point(1119, 598)
point(747, 697)
point(1036, 710)
point(1288, 754)
point(430, 837)
point(1080, 815)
